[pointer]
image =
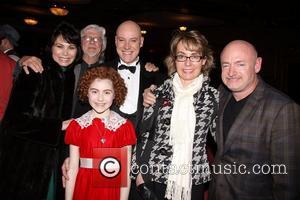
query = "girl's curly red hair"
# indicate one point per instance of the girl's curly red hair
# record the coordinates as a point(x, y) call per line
point(102, 72)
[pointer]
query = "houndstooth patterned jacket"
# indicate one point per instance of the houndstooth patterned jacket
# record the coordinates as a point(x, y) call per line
point(206, 105)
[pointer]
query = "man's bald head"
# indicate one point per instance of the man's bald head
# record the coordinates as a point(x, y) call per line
point(129, 24)
point(241, 45)
point(240, 66)
point(128, 41)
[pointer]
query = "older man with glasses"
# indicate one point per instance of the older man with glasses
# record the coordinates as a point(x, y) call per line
point(93, 44)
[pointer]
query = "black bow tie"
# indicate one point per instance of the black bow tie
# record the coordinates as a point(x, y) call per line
point(130, 68)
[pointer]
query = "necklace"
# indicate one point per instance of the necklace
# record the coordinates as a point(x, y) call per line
point(99, 132)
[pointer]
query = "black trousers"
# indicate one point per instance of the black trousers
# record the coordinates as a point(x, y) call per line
point(159, 189)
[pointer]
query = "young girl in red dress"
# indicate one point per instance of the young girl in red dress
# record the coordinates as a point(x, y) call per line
point(98, 128)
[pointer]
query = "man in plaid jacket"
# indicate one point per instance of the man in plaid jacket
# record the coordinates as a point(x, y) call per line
point(258, 134)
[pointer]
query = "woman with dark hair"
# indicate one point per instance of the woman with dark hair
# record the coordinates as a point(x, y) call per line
point(38, 112)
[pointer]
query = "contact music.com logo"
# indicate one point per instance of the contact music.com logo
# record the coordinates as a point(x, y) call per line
point(110, 167)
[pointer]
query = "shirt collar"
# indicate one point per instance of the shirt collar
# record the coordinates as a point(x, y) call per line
point(134, 63)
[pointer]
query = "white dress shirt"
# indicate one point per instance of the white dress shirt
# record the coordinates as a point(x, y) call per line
point(132, 82)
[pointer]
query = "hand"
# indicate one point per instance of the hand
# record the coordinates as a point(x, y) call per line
point(143, 190)
point(65, 168)
point(139, 179)
point(149, 98)
point(31, 62)
point(150, 67)
point(65, 124)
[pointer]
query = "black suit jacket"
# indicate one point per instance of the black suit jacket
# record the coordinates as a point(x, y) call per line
point(146, 79)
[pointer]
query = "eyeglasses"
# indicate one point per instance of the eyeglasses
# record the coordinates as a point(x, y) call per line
point(183, 58)
point(90, 39)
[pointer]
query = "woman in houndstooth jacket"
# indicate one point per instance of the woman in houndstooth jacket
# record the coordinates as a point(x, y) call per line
point(177, 166)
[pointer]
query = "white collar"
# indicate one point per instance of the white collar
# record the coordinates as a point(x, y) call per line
point(112, 122)
point(134, 63)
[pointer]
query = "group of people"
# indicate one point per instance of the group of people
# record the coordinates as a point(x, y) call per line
point(73, 97)
point(257, 131)
point(45, 111)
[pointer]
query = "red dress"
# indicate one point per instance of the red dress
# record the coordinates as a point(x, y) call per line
point(87, 133)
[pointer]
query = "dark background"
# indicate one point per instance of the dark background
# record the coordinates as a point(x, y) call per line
point(273, 27)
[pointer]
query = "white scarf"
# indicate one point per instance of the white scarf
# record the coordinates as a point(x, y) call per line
point(183, 120)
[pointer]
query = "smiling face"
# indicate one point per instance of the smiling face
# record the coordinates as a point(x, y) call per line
point(101, 95)
point(188, 70)
point(240, 66)
point(128, 41)
point(91, 43)
point(63, 53)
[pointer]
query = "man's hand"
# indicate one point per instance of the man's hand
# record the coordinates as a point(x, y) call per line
point(149, 98)
point(31, 62)
point(150, 67)
point(65, 168)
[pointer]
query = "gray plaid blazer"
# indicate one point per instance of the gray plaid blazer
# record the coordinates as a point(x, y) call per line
point(263, 142)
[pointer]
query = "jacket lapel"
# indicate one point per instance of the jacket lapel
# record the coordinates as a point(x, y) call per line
point(140, 106)
point(224, 99)
point(240, 121)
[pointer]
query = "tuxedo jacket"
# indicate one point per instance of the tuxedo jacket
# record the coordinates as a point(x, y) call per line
point(264, 136)
point(146, 79)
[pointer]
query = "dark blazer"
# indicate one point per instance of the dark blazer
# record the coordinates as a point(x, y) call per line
point(266, 133)
point(146, 79)
point(31, 139)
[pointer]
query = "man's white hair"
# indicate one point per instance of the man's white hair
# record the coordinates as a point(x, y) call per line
point(99, 29)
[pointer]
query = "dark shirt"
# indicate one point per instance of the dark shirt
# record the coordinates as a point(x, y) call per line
point(231, 112)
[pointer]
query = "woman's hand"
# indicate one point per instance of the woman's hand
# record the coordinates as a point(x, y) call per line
point(65, 124)
point(145, 192)
point(65, 168)
point(139, 180)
